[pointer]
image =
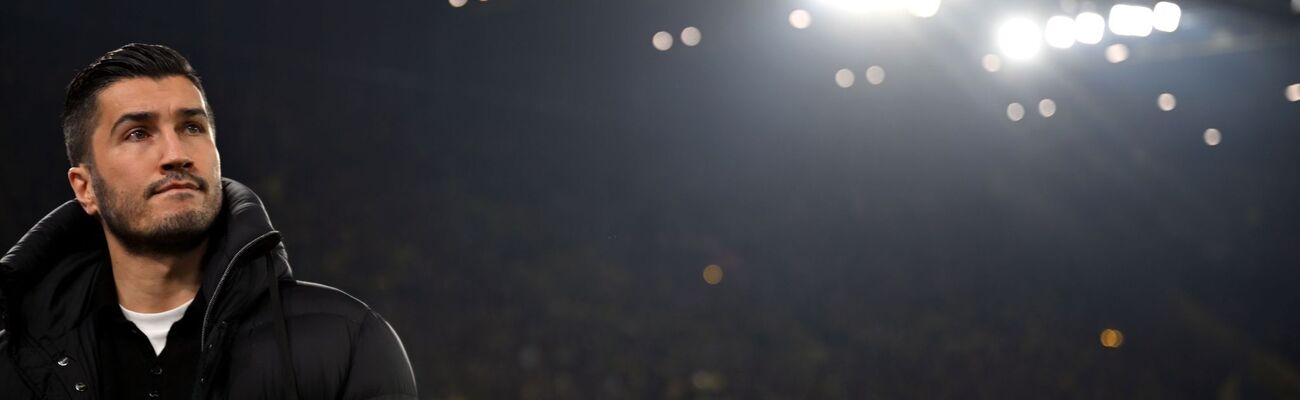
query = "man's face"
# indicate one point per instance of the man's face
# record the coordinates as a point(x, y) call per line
point(156, 174)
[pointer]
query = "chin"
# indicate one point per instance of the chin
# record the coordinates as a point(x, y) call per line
point(192, 220)
point(192, 216)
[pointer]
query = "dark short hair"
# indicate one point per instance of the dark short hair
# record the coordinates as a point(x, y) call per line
point(134, 60)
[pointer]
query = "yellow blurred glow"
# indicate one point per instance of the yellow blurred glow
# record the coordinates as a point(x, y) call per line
point(991, 62)
point(1166, 16)
point(712, 274)
point(1212, 137)
point(1089, 28)
point(691, 36)
point(1047, 108)
point(844, 78)
point(708, 381)
point(1015, 112)
point(662, 41)
point(1293, 91)
point(800, 19)
point(1116, 53)
point(457, 3)
point(1166, 102)
point(875, 75)
point(1112, 338)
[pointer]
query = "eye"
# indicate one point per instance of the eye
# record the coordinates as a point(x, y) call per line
point(193, 129)
point(137, 134)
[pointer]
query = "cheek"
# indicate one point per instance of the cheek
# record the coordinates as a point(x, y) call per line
point(215, 158)
point(216, 173)
point(117, 183)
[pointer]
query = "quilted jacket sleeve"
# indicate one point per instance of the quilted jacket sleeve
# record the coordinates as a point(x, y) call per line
point(379, 368)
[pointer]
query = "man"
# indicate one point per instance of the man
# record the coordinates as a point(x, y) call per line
point(164, 280)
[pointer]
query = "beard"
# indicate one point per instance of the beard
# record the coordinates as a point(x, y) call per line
point(126, 216)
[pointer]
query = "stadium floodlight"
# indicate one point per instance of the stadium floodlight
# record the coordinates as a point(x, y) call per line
point(1059, 32)
point(1130, 20)
point(1020, 38)
point(1089, 28)
point(1166, 16)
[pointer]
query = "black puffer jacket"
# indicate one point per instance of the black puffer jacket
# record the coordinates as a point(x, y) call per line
point(258, 318)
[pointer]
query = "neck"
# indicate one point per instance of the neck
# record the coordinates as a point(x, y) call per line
point(152, 283)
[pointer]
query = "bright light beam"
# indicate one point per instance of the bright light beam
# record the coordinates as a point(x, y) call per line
point(1128, 20)
point(1166, 16)
point(1020, 39)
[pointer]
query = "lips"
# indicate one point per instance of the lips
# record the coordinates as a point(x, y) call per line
point(177, 185)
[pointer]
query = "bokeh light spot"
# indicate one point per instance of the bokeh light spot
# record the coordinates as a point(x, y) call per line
point(708, 381)
point(1116, 53)
point(800, 19)
point(712, 274)
point(1047, 108)
point(1293, 91)
point(1166, 102)
point(1059, 32)
point(1212, 137)
point(691, 36)
point(1020, 38)
point(844, 78)
point(991, 62)
point(1112, 338)
point(875, 75)
point(1166, 16)
point(662, 41)
point(457, 3)
point(1015, 112)
point(1130, 20)
point(1089, 28)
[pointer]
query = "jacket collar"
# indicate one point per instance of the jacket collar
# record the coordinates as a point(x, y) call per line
point(47, 277)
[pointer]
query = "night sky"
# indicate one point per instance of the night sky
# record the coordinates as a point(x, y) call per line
point(530, 192)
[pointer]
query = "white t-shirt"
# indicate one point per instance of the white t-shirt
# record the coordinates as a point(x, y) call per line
point(156, 325)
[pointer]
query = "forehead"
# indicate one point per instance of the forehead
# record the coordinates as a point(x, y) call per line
point(163, 96)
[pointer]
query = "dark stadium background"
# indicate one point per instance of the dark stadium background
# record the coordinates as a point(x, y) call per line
point(530, 192)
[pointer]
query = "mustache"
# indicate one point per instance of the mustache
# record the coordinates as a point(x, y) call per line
point(174, 177)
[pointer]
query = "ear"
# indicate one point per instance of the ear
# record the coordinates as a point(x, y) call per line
point(83, 188)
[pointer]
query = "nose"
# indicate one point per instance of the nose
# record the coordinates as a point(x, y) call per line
point(178, 165)
point(175, 156)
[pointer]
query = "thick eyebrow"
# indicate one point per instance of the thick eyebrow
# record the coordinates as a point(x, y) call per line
point(135, 117)
point(148, 115)
point(192, 112)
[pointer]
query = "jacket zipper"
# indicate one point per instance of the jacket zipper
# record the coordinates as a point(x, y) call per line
point(203, 334)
